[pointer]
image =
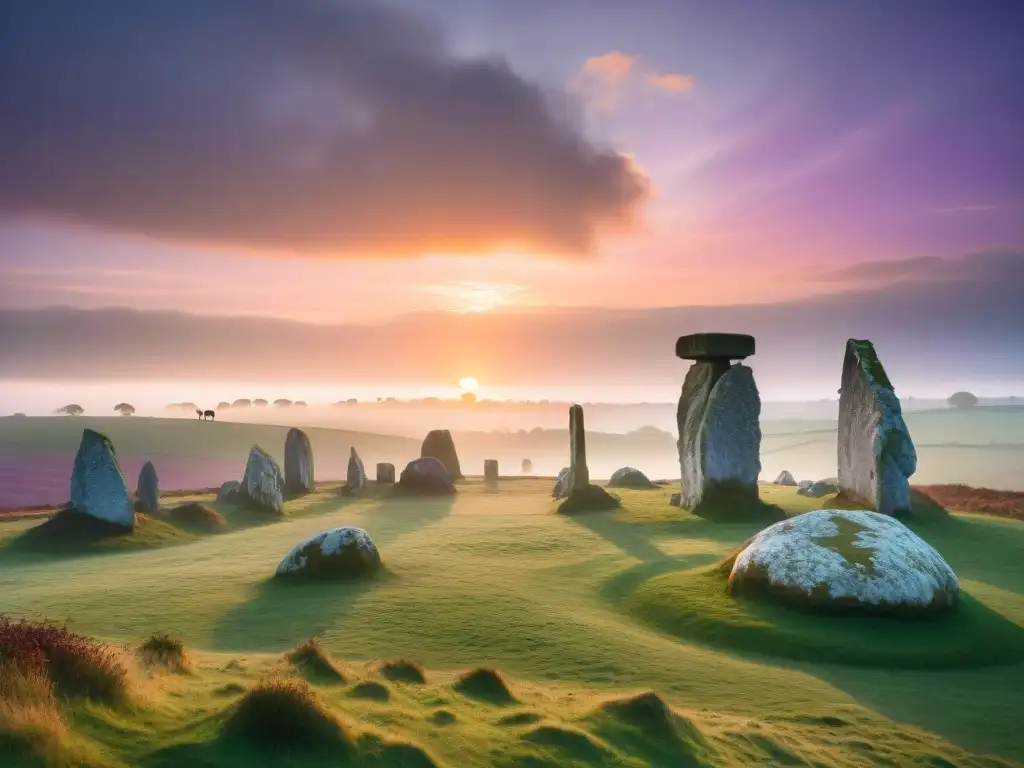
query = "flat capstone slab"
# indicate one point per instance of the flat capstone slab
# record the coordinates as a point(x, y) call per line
point(715, 346)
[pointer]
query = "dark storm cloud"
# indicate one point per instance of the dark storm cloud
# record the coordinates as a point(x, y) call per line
point(339, 128)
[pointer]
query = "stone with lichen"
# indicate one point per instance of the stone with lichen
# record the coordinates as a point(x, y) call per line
point(263, 483)
point(97, 485)
point(336, 553)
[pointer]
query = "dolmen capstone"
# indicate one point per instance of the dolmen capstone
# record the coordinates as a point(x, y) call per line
point(876, 455)
point(262, 484)
point(834, 560)
point(718, 418)
point(785, 478)
point(491, 470)
point(298, 463)
point(385, 472)
point(438, 444)
point(425, 476)
point(336, 553)
point(629, 477)
point(147, 491)
point(97, 485)
point(355, 477)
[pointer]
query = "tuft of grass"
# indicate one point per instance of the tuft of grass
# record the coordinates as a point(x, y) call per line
point(72, 532)
point(403, 671)
point(165, 651)
point(311, 658)
point(198, 518)
point(485, 685)
point(593, 498)
point(287, 714)
point(77, 665)
point(32, 727)
point(370, 689)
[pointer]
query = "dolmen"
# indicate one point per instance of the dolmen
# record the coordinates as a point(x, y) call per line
point(262, 484)
point(97, 485)
point(438, 444)
point(298, 464)
point(875, 452)
point(425, 476)
point(718, 418)
point(337, 553)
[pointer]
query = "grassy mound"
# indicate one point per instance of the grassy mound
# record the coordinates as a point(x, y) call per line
point(315, 663)
point(644, 725)
point(485, 685)
point(442, 717)
point(70, 531)
point(165, 651)
point(520, 718)
point(694, 605)
point(402, 671)
point(369, 689)
point(593, 498)
point(287, 714)
point(198, 518)
point(564, 743)
point(393, 754)
point(729, 502)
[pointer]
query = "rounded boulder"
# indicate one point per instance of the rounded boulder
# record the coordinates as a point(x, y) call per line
point(836, 560)
point(629, 477)
point(337, 553)
point(425, 476)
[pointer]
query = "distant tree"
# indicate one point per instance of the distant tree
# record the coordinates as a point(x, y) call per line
point(181, 407)
point(241, 403)
point(72, 409)
point(468, 398)
point(962, 400)
point(125, 409)
point(223, 406)
point(527, 466)
point(259, 402)
point(353, 401)
point(299, 403)
point(282, 402)
point(537, 431)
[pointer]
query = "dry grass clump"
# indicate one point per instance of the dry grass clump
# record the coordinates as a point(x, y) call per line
point(165, 651)
point(288, 713)
point(965, 498)
point(31, 723)
point(311, 658)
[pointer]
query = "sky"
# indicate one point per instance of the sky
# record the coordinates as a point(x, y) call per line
point(381, 165)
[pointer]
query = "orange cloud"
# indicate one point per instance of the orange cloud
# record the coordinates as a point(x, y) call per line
point(612, 66)
point(669, 82)
point(603, 80)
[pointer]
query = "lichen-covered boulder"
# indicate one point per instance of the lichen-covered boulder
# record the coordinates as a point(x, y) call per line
point(563, 483)
point(385, 472)
point(876, 455)
point(785, 478)
point(355, 477)
point(298, 463)
point(425, 476)
point(148, 489)
point(719, 432)
point(336, 553)
point(846, 560)
point(262, 484)
point(629, 477)
point(97, 485)
point(229, 491)
point(439, 444)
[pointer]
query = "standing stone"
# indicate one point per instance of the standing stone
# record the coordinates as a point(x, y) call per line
point(563, 483)
point(491, 470)
point(527, 466)
point(385, 473)
point(355, 479)
point(148, 489)
point(438, 444)
point(263, 483)
point(229, 491)
point(876, 454)
point(578, 450)
point(785, 478)
point(298, 463)
point(97, 485)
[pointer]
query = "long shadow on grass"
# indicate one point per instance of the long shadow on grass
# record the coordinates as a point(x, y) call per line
point(283, 612)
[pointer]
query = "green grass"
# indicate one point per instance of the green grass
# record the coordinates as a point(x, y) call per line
point(497, 580)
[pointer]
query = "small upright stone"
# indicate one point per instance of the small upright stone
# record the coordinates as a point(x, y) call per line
point(578, 449)
point(491, 470)
point(438, 444)
point(785, 478)
point(355, 478)
point(876, 455)
point(229, 491)
point(262, 484)
point(148, 489)
point(298, 463)
point(97, 485)
point(385, 473)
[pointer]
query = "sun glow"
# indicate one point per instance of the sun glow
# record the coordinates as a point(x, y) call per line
point(469, 384)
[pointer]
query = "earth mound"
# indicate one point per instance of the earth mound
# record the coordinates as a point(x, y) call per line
point(289, 714)
point(731, 502)
point(69, 531)
point(338, 553)
point(369, 689)
point(643, 724)
point(485, 685)
point(315, 663)
point(593, 498)
point(402, 671)
point(198, 518)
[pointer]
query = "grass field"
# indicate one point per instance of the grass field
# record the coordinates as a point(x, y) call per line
point(580, 616)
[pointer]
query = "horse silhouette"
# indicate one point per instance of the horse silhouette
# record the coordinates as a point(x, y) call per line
point(206, 414)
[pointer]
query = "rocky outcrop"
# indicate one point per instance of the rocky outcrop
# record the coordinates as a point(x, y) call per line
point(848, 561)
point(148, 490)
point(439, 445)
point(298, 463)
point(97, 485)
point(817, 488)
point(719, 431)
point(337, 553)
point(355, 477)
point(563, 483)
point(425, 476)
point(785, 478)
point(876, 455)
point(629, 477)
point(262, 484)
point(385, 473)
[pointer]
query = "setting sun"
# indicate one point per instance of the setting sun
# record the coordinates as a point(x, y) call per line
point(469, 384)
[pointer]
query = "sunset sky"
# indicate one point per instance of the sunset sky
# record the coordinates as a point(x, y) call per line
point(353, 162)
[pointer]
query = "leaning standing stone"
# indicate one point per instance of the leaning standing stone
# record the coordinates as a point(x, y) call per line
point(298, 463)
point(385, 473)
point(491, 470)
point(876, 455)
point(148, 489)
point(355, 479)
point(97, 485)
point(263, 483)
point(438, 444)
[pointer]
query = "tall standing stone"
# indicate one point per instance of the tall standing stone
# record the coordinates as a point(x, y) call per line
point(298, 463)
point(876, 455)
point(718, 417)
point(578, 449)
point(385, 473)
point(148, 489)
point(439, 445)
point(262, 484)
point(491, 470)
point(97, 485)
point(355, 478)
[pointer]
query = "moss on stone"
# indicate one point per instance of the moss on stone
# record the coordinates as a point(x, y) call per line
point(844, 543)
point(868, 360)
